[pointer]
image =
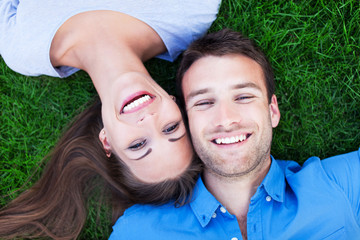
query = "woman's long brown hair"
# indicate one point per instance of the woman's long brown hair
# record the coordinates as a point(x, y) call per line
point(56, 205)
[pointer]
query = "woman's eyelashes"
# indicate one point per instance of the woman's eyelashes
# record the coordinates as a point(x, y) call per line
point(141, 143)
point(171, 128)
point(137, 145)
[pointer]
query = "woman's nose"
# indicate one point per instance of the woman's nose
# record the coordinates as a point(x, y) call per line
point(146, 118)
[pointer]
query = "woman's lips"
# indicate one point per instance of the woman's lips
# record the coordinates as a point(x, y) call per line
point(136, 101)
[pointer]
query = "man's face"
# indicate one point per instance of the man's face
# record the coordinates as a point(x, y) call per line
point(230, 118)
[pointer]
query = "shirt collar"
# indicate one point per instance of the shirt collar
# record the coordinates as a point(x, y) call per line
point(203, 203)
point(274, 181)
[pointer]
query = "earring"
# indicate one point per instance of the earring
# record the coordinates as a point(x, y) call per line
point(108, 153)
point(173, 97)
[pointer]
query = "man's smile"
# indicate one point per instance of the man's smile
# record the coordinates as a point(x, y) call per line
point(231, 140)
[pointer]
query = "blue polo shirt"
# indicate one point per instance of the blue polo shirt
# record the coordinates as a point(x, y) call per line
point(319, 200)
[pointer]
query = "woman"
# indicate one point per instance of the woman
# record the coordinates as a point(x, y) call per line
point(56, 206)
point(138, 125)
point(110, 40)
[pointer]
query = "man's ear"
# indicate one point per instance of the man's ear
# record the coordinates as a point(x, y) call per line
point(105, 143)
point(274, 111)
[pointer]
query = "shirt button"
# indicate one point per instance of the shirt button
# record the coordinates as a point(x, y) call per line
point(214, 215)
point(234, 238)
point(268, 198)
point(222, 209)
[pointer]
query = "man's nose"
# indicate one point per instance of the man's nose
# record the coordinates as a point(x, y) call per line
point(226, 115)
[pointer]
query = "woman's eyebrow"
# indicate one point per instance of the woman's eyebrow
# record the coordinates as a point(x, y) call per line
point(150, 149)
point(147, 153)
point(176, 139)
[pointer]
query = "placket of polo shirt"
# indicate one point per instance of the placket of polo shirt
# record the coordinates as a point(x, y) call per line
point(254, 225)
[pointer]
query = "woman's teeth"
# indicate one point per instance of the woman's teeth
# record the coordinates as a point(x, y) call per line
point(230, 140)
point(136, 103)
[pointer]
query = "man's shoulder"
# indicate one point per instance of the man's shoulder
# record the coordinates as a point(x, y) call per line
point(146, 213)
point(147, 209)
point(331, 164)
point(150, 218)
point(347, 158)
point(343, 166)
point(342, 171)
point(135, 218)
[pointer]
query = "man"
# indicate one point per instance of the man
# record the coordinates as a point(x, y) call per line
point(244, 193)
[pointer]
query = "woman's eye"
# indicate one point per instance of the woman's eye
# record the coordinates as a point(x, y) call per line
point(172, 128)
point(138, 145)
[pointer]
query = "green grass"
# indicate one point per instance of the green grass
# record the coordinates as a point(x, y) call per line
point(314, 47)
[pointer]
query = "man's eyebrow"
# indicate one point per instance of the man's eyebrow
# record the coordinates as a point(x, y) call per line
point(236, 86)
point(147, 153)
point(176, 139)
point(246, 85)
point(198, 92)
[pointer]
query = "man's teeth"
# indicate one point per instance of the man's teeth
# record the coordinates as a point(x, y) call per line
point(230, 140)
point(136, 103)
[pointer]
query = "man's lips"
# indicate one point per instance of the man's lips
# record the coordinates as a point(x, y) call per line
point(137, 101)
point(228, 140)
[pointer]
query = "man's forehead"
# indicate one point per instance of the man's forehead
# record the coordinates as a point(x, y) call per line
point(234, 71)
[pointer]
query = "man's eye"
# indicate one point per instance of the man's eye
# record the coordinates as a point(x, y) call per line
point(243, 98)
point(203, 103)
point(172, 128)
point(138, 145)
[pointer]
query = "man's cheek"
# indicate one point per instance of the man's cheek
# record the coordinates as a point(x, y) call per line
point(192, 122)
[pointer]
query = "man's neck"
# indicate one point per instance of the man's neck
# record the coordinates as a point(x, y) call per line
point(235, 195)
point(235, 192)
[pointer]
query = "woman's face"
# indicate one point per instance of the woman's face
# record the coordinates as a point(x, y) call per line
point(143, 126)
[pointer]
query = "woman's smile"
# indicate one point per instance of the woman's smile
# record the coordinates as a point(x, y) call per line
point(136, 102)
